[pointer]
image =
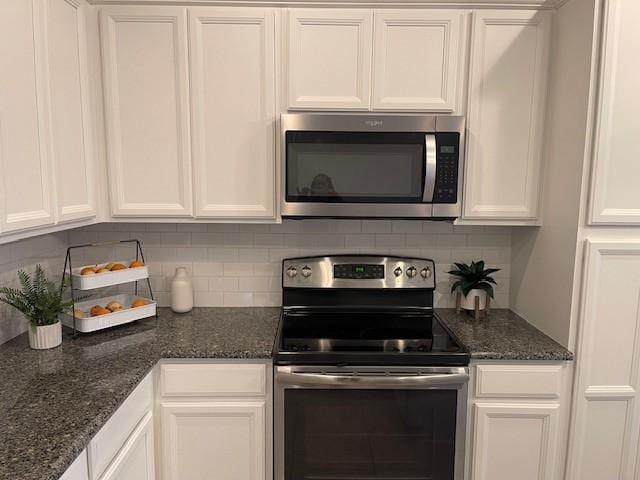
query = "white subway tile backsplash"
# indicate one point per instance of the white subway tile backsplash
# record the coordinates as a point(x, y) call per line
point(240, 265)
point(237, 299)
point(208, 269)
point(222, 254)
point(238, 269)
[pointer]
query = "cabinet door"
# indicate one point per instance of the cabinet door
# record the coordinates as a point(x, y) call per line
point(144, 51)
point(330, 59)
point(224, 440)
point(136, 458)
point(78, 469)
point(417, 54)
point(509, 57)
point(233, 105)
point(73, 156)
point(616, 150)
point(514, 441)
point(606, 419)
point(25, 174)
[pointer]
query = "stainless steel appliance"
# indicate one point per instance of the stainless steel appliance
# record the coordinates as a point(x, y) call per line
point(369, 384)
point(392, 166)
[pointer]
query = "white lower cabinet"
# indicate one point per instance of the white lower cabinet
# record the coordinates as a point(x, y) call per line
point(605, 430)
point(215, 420)
point(78, 470)
point(514, 441)
point(205, 440)
point(136, 459)
point(123, 449)
point(517, 421)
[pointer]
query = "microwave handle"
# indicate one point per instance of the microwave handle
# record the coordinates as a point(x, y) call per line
point(430, 161)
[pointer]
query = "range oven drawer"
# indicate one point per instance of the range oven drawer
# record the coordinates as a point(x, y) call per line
point(370, 423)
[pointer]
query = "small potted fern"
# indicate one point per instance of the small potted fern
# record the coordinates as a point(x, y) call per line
point(41, 302)
point(473, 280)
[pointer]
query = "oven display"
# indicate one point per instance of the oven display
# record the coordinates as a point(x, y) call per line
point(358, 271)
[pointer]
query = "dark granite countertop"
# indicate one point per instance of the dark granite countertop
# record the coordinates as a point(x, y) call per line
point(52, 402)
point(503, 335)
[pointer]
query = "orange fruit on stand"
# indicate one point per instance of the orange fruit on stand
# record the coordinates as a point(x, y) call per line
point(138, 302)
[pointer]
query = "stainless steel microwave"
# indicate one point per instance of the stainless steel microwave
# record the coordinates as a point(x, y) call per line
point(368, 166)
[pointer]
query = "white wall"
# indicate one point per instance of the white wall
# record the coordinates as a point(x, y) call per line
point(543, 259)
point(47, 250)
point(239, 265)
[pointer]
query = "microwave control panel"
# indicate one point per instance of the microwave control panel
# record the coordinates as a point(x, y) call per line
point(448, 156)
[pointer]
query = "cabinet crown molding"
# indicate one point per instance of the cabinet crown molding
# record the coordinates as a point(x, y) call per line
point(542, 4)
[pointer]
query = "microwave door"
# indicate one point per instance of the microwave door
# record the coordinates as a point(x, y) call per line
point(430, 164)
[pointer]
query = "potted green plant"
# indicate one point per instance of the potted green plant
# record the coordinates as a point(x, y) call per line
point(41, 301)
point(473, 280)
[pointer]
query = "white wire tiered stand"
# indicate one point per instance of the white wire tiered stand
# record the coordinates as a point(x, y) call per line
point(80, 282)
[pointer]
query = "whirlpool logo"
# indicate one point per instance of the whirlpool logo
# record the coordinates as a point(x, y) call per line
point(374, 123)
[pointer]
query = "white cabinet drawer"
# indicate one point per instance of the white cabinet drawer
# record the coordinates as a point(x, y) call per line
point(518, 381)
point(212, 379)
point(110, 439)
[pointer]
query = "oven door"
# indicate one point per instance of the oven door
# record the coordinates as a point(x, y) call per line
point(359, 173)
point(370, 423)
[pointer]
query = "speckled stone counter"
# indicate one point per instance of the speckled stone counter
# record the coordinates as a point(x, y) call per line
point(52, 402)
point(503, 335)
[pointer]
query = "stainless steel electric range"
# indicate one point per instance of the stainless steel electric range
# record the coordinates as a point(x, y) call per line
point(370, 385)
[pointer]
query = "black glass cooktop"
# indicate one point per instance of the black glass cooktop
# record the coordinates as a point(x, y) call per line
point(366, 337)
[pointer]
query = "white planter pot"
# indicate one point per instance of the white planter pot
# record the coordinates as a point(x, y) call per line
point(469, 302)
point(46, 336)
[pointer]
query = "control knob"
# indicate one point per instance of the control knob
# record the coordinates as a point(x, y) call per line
point(412, 272)
point(292, 271)
point(306, 271)
point(397, 272)
point(426, 272)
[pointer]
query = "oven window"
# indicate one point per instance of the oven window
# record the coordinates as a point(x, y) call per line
point(355, 167)
point(369, 434)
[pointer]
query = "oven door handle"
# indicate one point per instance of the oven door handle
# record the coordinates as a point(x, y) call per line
point(430, 166)
point(370, 381)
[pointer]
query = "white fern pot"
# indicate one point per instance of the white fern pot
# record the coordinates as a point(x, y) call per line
point(45, 336)
point(469, 302)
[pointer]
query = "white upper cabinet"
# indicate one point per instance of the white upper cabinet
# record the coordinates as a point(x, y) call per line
point(70, 116)
point(615, 193)
point(329, 59)
point(233, 106)
point(146, 83)
point(507, 96)
point(416, 59)
point(26, 193)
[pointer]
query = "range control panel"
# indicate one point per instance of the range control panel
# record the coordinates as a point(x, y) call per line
point(358, 271)
point(448, 157)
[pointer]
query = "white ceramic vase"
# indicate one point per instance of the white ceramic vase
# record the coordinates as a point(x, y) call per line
point(45, 336)
point(181, 291)
point(469, 302)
